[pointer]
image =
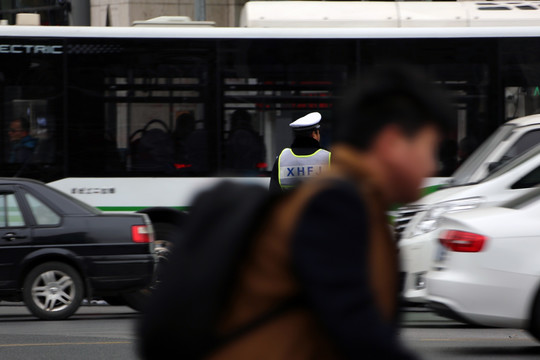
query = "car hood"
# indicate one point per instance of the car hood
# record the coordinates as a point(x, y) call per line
point(448, 194)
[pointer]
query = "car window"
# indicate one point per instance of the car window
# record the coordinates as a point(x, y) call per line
point(510, 165)
point(524, 143)
point(43, 214)
point(530, 180)
point(10, 211)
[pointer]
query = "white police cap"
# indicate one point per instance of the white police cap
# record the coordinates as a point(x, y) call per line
point(310, 121)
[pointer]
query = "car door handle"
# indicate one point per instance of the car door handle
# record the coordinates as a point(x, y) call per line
point(12, 236)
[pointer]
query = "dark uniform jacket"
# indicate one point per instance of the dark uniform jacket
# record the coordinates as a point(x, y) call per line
point(329, 242)
point(301, 146)
point(22, 150)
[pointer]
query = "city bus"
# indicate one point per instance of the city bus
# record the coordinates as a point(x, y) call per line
point(132, 119)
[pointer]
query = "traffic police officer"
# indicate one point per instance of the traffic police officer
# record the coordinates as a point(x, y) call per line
point(305, 157)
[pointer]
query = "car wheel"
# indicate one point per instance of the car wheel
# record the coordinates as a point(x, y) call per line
point(53, 291)
point(166, 235)
point(534, 326)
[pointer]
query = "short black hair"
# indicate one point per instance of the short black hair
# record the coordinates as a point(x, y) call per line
point(305, 133)
point(384, 96)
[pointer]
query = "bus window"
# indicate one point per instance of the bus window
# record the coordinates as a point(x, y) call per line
point(267, 85)
point(32, 94)
point(244, 148)
point(521, 101)
point(143, 110)
point(520, 77)
point(464, 73)
point(31, 134)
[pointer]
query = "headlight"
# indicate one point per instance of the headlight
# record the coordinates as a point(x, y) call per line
point(430, 219)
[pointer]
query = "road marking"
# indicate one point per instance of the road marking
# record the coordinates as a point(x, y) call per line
point(479, 339)
point(67, 343)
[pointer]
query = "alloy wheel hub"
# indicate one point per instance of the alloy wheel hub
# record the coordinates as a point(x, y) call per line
point(53, 290)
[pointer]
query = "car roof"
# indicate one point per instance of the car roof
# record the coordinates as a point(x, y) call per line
point(526, 120)
point(60, 200)
point(15, 180)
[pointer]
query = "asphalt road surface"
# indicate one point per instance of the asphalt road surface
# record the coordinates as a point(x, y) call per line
point(107, 332)
point(436, 338)
point(94, 332)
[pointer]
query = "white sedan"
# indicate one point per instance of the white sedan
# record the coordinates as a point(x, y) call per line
point(487, 267)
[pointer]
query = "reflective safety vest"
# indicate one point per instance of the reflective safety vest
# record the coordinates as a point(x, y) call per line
point(295, 168)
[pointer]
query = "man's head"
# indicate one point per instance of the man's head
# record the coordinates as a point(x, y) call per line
point(307, 126)
point(395, 117)
point(313, 133)
point(18, 129)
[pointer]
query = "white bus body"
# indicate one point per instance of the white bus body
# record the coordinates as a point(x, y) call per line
point(276, 74)
point(369, 14)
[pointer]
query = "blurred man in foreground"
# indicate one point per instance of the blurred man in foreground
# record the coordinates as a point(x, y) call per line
point(329, 245)
point(315, 276)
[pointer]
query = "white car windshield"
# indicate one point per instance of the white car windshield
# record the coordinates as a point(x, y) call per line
point(523, 158)
point(463, 175)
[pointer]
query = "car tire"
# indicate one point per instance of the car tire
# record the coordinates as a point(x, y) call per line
point(534, 325)
point(53, 291)
point(166, 235)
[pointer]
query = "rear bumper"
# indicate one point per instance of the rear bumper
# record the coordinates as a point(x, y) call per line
point(483, 296)
point(447, 312)
point(120, 273)
point(416, 256)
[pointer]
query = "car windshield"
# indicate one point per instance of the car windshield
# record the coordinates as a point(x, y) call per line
point(513, 163)
point(530, 197)
point(463, 175)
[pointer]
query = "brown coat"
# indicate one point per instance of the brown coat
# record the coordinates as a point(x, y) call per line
point(267, 279)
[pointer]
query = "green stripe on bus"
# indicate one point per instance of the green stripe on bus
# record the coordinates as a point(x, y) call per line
point(137, 208)
point(430, 189)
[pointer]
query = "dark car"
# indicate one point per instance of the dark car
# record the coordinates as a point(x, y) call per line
point(55, 250)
